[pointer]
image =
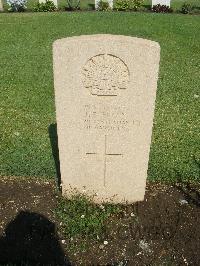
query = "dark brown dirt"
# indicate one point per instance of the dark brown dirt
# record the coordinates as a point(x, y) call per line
point(162, 230)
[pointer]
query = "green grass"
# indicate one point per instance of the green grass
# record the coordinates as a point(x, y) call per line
point(79, 216)
point(87, 4)
point(27, 95)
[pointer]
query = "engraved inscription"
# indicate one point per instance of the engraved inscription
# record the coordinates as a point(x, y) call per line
point(105, 75)
point(105, 117)
point(105, 156)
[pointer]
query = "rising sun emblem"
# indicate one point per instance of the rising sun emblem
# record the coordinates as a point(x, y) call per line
point(105, 75)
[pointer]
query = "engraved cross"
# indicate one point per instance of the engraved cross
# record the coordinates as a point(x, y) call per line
point(105, 157)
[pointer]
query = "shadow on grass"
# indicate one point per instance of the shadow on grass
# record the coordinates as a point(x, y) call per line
point(190, 194)
point(31, 239)
point(55, 151)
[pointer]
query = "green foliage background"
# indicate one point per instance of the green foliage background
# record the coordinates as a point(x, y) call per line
point(86, 4)
point(27, 95)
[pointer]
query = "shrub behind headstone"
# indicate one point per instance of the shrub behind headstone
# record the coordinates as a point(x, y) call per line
point(103, 5)
point(162, 9)
point(186, 8)
point(128, 5)
point(17, 5)
point(48, 6)
point(73, 4)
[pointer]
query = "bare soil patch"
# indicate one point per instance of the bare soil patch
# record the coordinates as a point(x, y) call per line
point(162, 230)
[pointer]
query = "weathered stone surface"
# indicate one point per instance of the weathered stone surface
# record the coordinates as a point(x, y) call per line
point(1, 5)
point(105, 88)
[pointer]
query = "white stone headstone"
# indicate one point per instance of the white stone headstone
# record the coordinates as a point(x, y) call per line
point(109, 1)
point(1, 5)
point(54, 1)
point(105, 90)
point(161, 2)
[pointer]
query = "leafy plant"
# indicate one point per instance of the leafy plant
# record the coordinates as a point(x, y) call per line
point(48, 6)
point(79, 216)
point(128, 5)
point(17, 5)
point(186, 8)
point(162, 9)
point(103, 5)
point(73, 4)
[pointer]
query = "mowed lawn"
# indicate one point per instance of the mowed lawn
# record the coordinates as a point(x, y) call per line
point(27, 94)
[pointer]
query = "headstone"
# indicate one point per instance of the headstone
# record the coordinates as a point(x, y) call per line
point(105, 90)
point(161, 2)
point(1, 5)
point(54, 1)
point(109, 1)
